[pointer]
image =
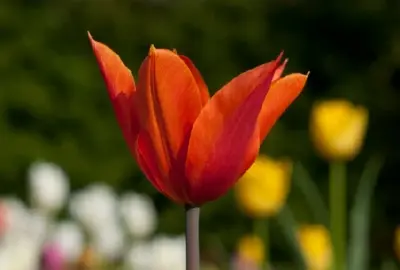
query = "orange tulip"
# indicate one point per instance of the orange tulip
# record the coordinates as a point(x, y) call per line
point(191, 147)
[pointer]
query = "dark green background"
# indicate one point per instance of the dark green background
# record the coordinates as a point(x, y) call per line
point(54, 105)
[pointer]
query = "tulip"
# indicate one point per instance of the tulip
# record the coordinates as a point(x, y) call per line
point(250, 249)
point(52, 258)
point(238, 263)
point(139, 214)
point(338, 129)
point(69, 238)
point(49, 186)
point(95, 208)
point(191, 147)
point(262, 190)
point(3, 219)
point(315, 243)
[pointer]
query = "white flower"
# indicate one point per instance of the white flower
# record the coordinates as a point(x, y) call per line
point(69, 237)
point(139, 214)
point(24, 223)
point(169, 253)
point(163, 253)
point(49, 186)
point(37, 226)
point(109, 242)
point(139, 256)
point(19, 252)
point(95, 207)
point(16, 215)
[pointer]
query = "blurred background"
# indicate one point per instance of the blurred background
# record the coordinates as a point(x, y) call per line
point(65, 168)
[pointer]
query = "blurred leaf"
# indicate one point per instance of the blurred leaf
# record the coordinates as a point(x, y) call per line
point(307, 186)
point(389, 264)
point(288, 225)
point(360, 215)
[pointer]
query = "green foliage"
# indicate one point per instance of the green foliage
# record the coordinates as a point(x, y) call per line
point(361, 215)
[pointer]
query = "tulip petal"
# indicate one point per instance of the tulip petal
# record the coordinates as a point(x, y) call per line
point(168, 102)
point(121, 89)
point(223, 132)
point(279, 70)
point(146, 158)
point(282, 93)
point(205, 96)
point(253, 149)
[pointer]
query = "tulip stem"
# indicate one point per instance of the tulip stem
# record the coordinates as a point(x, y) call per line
point(192, 237)
point(337, 197)
point(261, 229)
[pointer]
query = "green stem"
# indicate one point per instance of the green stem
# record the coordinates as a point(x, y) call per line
point(192, 238)
point(261, 229)
point(289, 226)
point(311, 193)
point(337, 197)
point(360, 215)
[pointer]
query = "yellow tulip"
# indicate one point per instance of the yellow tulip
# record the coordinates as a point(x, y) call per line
point(262, 190)
point(251, 248)
point(397, 242)
point(316, 246)
point(338, 129)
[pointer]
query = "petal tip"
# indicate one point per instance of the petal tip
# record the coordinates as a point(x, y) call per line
point(152, 50)
point(278, 59)
point(93, 42)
